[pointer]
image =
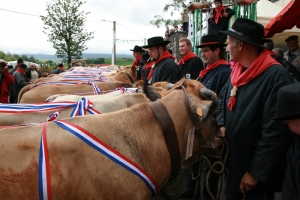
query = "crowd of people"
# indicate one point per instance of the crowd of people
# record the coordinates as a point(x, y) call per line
point(247, 85)
point(21, 75)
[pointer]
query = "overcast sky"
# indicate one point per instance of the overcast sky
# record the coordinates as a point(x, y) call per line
point(22, 33)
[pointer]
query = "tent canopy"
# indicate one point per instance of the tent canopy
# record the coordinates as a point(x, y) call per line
point(286, 19)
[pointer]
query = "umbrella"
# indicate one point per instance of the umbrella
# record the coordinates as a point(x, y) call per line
point(286, 19)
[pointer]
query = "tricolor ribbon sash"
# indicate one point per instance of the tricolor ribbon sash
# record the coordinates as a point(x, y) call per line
point(109, 152)
point(82, 106)
point(44, 178)
point(122, 89)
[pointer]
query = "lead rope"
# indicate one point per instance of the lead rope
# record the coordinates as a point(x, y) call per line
point(222, 172)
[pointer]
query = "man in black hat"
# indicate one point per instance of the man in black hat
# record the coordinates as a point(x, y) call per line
point(288, 110)
point(164, 67)
point(59, 69)
point(218, 70)
point(257, 144)
point(219, 19)
point(190, 64)
point(137, 54)
point(19, 83)
point(293, 53)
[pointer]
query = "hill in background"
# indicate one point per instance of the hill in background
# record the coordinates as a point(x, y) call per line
point(42, 57)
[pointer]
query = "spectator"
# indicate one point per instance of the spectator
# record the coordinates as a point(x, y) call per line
point(147, 64)
point(19, 82)
point(278, 55)
point(288, 110)
point(172, 32)
point(181, 28)
point(176, 28)
point(217, 71)
point(219, 19)
point(19, 62)
point(269, 44)
point(32, 74)
point(59, 69)
point(190, 63)
point(137, 54)
point(185, 20)
point(293, 53)
point(257, 144)
point(164, 68)
point(6, 79)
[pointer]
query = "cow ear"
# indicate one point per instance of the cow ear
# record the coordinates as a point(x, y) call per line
point(133, 69)
point(151, 92)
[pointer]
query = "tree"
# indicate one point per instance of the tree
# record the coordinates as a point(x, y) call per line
point(64, 25)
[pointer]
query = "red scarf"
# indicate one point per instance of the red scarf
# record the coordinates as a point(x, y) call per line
point(136, 61)
point(147, 65)
point(185, 58)
point(166, 54)
point(20, 71)
point(218, 14)
point(261, 64)
point(211, 67)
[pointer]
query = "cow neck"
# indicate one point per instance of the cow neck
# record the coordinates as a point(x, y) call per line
point(129, 77)
point(169, 134)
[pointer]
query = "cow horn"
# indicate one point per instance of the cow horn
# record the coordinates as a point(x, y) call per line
point(208, 94)
point(169, 86)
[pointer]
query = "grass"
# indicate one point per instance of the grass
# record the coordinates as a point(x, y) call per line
point(120, 61)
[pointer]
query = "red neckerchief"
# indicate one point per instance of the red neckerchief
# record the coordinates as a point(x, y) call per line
point(185, 58)
point(262, 63)
point(218, 14)
point(211, 67)
point(148, 65)
point(62, 68)
point(166, 54)
point(136, 61)
point(20, 71)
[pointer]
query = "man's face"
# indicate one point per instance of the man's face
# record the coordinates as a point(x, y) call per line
point(209, 56)
point(292, 45)
point(218, 5)
point(232, 48)
point(184, 48)
point(32, 67)
point(154, 53)
point(136, 54)
point(294, 125)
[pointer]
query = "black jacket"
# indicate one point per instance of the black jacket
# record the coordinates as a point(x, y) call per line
point(193, 67)
point(216, 78)
point(166, 70)
point(257, 143)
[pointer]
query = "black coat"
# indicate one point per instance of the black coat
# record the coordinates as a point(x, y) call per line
point(28, 74)
point(257, 143)
point(166, 70)
point(222, 25)
point(193, 67)
point(216, 78)
point(291, 184)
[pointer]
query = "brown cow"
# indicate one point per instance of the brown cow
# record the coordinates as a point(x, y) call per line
point(78, 171)
point(40, 93)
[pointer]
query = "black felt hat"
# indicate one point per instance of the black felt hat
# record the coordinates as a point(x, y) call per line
point(218, 1)
point(288, 102)
point(248, 31)
point(292, 37)
point(145, 56)
point(60, 65)
point(211, 40)
point(137, 49)
point(156, 41)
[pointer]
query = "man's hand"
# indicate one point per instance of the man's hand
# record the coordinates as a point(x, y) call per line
point(5, 68)
point(247, 183)
point(225, 15)
point(223, 131)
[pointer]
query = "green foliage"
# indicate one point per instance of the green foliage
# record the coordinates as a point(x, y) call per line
point(64, 25)
point(95, 60)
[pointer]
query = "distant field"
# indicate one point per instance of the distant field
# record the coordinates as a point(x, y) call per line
point(120, 61)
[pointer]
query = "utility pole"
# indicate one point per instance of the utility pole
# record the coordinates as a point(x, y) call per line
point(113, 60)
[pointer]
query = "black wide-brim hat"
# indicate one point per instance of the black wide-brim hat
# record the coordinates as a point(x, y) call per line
point(156, 41)
point(60, 65)
point(288, 102)
point(145, 56)
point(248, 31)
point(137, 49)
point(211, 40)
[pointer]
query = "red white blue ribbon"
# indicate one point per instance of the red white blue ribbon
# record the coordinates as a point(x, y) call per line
point(82, 106)
point(53, 116)
point(109, 152)
point(44, 178)
point(122, 89)
point(95, 88)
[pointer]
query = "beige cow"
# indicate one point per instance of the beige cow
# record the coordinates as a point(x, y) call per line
point(78, 171)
